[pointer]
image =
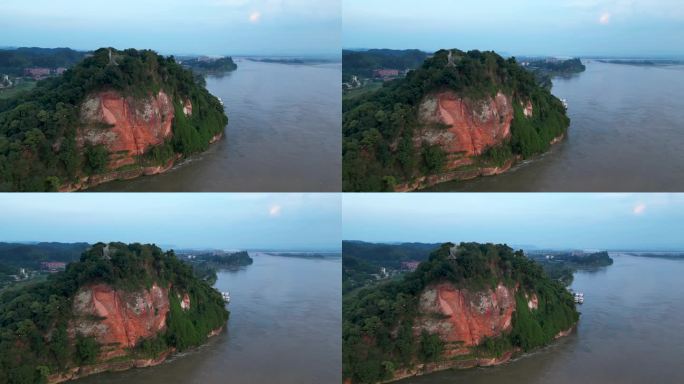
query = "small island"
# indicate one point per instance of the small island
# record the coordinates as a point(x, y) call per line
point(562, 265)
point(210, 65)
point(120, 306)
point(205, 264)
point(545, 69)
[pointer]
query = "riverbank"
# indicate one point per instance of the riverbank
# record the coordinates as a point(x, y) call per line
point(116, 366)
point(468, 363)
point(87, 182)
point(465, 173)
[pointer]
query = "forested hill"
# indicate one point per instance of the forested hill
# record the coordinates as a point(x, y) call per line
point(52, 328)
point(385, 141)
point(14, 61)
point(401, 328)
point(387, 255)
point(363, 63)
point(40, 146)
point(30, 255)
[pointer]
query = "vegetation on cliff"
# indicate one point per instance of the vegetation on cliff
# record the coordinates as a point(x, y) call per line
point(34, 341)
point(379, 127)
point(39, 150)
point(378, 322)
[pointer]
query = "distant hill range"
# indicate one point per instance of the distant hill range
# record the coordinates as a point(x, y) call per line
point(293, 60)
point(32, 255)
point(387, 255)
point(15, 61)
point(642, 62)
point(364, 63)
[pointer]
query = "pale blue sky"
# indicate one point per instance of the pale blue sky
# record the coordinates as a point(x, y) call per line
point(581, 220)
point(520, 27)
point(201, 220)
point(213, 27)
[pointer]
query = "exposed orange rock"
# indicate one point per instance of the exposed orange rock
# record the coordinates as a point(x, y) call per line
point(532, 301)
point(463, 318)
point(471, 127)
point(126, 126)
point(118, 319)
point(187, 107)
point(528, 109)
point(464, 129)
point(185, 302)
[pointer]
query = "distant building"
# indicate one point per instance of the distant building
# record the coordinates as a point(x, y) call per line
point(37, 72)
point(5, 81)
point(410, 265)
point(53, 266)
point(386, 74)
point(60, 71)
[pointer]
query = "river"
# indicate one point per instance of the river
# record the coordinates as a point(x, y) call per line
point(626, 134)
point(284, 327)
point(283, 135)
point(630, 331)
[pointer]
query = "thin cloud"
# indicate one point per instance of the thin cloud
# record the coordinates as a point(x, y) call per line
point(639, 209)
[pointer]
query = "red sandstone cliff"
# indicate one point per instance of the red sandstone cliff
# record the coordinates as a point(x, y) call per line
point(470, 127)
point(118, 319)
point(463, 318)
point(126, 126)
point(464, 129)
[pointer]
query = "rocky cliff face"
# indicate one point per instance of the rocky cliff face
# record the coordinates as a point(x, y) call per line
point(125, 126)
point(469, 127)
point(463, 129)
point(463, 318)
point(118, 319)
